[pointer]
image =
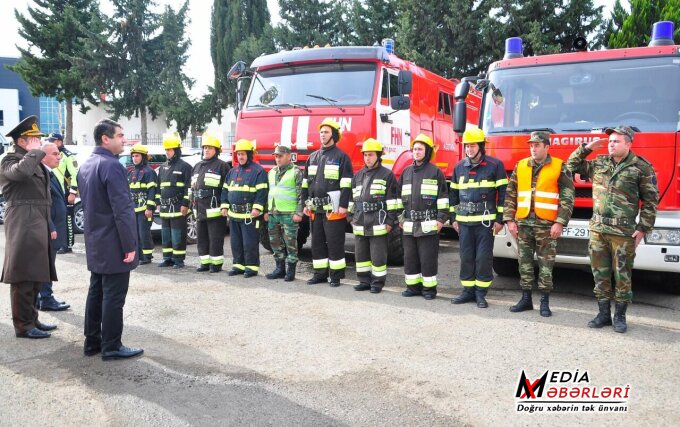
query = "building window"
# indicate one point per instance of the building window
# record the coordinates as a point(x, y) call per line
point(52, 115)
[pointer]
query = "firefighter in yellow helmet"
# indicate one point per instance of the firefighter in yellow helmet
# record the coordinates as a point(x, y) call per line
point(174, 180)
point(424, 198)
point(142, 180)
point(207, 179)
point(326, 189)
point(477, 195)
point(244, 197)
point(373, 211)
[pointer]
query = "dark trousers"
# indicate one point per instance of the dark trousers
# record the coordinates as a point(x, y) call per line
point(476, 255)
point(46, 288)
point(371, 259)
point(145, 250)
point(24, 313)
point(174, 236)
point(421, 263)
point(245, 244)
point(328, 247)
point(70, 236)
point(210, 243)
point(104, 310)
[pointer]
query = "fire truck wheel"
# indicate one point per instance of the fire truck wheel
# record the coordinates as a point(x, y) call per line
point(506, 267)
point(395, 248)
point(192, 231)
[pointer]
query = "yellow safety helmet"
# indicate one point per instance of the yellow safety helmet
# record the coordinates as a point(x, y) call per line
point(244, 145)
point(172, 140)
point(424, 139)
point(473, 136)
point(372, 144)
point(330, 122)
point(210, 140)
point(140, 149)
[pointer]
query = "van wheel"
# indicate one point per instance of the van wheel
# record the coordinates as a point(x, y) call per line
point(192, 230)
point(506, 267)
point(78, 219)
point(395, 247)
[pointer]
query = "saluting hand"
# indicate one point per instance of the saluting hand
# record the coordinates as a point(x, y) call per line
point(597, 143)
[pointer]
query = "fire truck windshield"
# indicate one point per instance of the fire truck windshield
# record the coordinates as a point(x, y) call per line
point(346, 84)
point(641, 92)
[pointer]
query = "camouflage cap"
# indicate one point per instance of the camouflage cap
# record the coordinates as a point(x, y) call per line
point(540, 136)
point(623, 130)
point(281, 149)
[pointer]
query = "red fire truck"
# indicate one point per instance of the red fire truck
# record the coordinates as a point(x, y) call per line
point(575, 96)
point(369, 91)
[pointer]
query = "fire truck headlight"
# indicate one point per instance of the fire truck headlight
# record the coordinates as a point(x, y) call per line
point(663, 236)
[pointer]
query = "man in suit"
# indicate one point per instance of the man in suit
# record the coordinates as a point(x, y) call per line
point(58, 225)
point(110, 242)
point(25, 186)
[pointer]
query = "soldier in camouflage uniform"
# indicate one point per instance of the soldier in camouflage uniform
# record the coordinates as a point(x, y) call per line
point(539, 201)
point(623, 186)
point(285, 213)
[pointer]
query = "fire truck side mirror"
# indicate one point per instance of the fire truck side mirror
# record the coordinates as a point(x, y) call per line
point(236, 70)
point(400, 102)
point(241, 85)
point(404, 82)
point(459, 116)
point(462, 90)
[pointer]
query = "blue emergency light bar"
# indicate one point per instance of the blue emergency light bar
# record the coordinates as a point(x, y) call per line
point(662, 34)
point(513, 48)
point(388, 44)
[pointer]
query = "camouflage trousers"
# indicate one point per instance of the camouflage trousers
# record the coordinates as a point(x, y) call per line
point(533, 239)
point(612, 254)
point(283, 233)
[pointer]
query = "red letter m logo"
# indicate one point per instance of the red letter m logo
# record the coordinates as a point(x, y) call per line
point(529, 390)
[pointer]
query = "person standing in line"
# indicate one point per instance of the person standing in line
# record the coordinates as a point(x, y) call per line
point(142, 180)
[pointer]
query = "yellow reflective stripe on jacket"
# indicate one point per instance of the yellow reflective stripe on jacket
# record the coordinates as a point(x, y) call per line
point(345, 182)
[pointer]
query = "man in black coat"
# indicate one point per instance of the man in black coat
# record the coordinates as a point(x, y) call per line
point(110, 242)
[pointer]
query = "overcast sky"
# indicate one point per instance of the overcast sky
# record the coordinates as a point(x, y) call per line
point(199, 66)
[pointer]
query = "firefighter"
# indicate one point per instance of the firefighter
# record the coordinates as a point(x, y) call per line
point(66, 174)
point(284, 204)
point(244, 195)
point(425, 203)
point(143, 185)
point(326, 189)
point(477, 195)
point(373, 211)
point(174, 180)
point(207, 179)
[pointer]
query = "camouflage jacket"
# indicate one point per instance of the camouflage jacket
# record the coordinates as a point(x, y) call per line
point(619, 190)
point(565, 184)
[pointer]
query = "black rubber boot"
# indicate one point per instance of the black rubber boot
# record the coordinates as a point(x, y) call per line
point(525, 303)
point(203, 267)
point(279, 272)
point(317, 279)
point(604, 317)
point(362, 287)
point(290, 272)
point(468, 295)
point(620, 317)
point(545, 304)
point(480, 294)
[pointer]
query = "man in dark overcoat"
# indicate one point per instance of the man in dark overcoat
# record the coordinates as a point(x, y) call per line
point(26, 187)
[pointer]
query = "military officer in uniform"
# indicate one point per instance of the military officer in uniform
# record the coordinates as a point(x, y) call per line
point(538, 202)
point(285, 213)
point(326, 189)
point(142, 180)
point(425, 202)
point(207, 179)
point(66, 173)
point(174, 180)
point(624, 185)
point(477, 195)
point(244, 196)
point(373, 208)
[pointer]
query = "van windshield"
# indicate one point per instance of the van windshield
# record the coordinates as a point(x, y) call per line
point(640, 92)
point(343, 84)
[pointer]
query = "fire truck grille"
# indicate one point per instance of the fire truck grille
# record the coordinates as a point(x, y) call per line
point(575, 247)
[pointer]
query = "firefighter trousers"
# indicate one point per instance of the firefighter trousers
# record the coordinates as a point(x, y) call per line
point(245, 244)
point(145, 250)
point(371, 259)
point(210, 242)
point(174, 236)
point(328, 247)
point(421, 263)
point(476, 255)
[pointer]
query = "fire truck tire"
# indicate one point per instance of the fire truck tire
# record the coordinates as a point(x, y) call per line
point(506, 267)
point(395, 248)
point(192, 229)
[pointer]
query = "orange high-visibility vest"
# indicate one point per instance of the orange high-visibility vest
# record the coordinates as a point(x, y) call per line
point(547, 194)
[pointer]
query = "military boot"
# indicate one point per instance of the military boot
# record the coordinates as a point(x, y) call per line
point(290, 272)
point(524, 303)
point(480, 294)
point(279, 272)
point(468, 295)
point(620, 317)
point(545, 305)
point(604, 317)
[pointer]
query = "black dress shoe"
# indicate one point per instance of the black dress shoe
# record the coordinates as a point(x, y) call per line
point(46, 327)
point(91, 351)
point(166, 263)
point(317, 279)
point(203, 267)
point(34, 333)
point(362, 287)
point(52, 305)
point(122, 353)
point(234, 272)
point(249, 273)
